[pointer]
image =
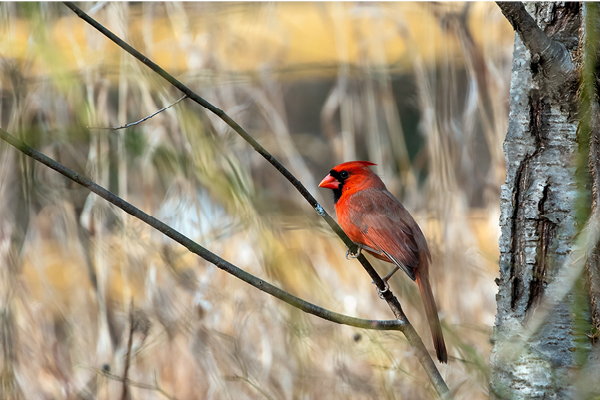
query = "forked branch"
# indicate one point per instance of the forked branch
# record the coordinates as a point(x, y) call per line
point(399, 325)
point(553, 55)
point(195, 247)
point(403, 323)
point(387, 294)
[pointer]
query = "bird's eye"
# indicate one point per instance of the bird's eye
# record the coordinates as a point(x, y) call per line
point(344, 174)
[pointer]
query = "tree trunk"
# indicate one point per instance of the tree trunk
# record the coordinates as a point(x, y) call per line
point(545, 201)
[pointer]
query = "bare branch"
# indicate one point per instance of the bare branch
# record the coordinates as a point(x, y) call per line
point(392, 301)
point(397, 324)
point(199, 250)
point(261, 150)
point(552, 54)
point(397, 309)
point(141, 120)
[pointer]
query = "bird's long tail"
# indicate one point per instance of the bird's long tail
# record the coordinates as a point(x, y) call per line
point(422, 279)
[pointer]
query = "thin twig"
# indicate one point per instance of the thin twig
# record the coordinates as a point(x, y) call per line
point(140, 385)
point(125, 392)
point(141, 120)
point(387, 294)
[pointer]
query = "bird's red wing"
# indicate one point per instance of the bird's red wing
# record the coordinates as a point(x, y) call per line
point(389, 228)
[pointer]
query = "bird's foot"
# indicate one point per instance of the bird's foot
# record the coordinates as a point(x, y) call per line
point(382, 292)
point(353, 255)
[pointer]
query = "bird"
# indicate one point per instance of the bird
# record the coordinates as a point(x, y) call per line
point(379, 224)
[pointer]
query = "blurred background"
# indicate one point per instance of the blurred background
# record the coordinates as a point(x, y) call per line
point(421, 89)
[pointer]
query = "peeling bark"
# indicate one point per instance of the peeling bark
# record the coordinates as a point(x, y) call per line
point(538, 206)
point(553, 53)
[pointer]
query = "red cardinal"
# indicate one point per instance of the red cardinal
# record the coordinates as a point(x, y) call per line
point(377, 222)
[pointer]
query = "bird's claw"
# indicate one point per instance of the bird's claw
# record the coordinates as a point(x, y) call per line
point(384, 291)
point(352, 255)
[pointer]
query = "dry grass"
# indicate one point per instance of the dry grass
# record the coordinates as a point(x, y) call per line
point(316, 84)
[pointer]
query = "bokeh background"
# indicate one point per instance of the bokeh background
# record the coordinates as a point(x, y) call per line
point(419, 88)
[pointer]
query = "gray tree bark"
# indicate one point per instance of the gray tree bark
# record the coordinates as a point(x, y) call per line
point(547, 186)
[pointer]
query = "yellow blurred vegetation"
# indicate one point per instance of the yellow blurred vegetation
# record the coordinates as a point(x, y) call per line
point(419, 88)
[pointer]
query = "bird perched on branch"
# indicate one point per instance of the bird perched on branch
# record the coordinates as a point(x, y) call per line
point(378, 223)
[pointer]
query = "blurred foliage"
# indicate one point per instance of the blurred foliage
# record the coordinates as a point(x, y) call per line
point(419, 88)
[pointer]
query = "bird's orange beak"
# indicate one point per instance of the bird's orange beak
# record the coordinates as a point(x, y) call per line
point(329, 182)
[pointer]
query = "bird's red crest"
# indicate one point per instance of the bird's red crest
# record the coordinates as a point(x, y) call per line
point(352, 165)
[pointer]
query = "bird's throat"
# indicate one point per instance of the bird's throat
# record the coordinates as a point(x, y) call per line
point(337, 193)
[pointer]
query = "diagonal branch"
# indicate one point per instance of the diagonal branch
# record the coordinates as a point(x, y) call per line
point(386, 294)
point(196, 248)
point(397, 324)
point(552, 54)
point(237, 128)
